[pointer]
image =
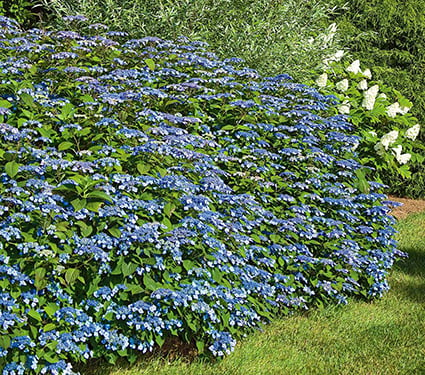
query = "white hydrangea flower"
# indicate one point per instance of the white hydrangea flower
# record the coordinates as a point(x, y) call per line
point(344, 108)
point(393, 109)
point(413, 132)
point(389, 138)
point(335, 57)
point(370, 97)
point(397, 150)
point(354, 67)
point(403, 158)
point(382, 95)
point(404, 110)
point(339, 55)
point(322, 80)
point(342, 85)
point(379, 148)
point(362, 85)
point(367, 73)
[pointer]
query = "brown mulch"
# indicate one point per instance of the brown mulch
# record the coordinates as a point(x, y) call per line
point(409, 206)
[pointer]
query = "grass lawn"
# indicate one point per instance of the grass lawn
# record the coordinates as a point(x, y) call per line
point(383, 337)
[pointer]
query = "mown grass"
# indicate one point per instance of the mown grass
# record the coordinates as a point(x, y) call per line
point(383, 337)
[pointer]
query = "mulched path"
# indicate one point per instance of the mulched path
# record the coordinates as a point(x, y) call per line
point(409, 206)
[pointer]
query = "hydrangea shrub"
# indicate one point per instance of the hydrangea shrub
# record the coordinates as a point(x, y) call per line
point(390, 135)
point(150, 190)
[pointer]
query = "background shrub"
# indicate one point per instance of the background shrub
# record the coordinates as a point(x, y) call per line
point(381, 117)
point(271, 36)
point(151, 190)
point(389, 37)
point(26, 12)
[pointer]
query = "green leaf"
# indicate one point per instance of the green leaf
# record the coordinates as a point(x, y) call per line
point(188, 264)
point(40, 281)
point(99, 194)
point(78, 204)
point(149, 283)
point(115, 232)
point(49, 327)
point(71, 275)
point(67, 111)
point(128, 269)
point(143, 168)
point(27, 99)
point(94, 206)
point(12, 168)
point(5, 104)
point(361, 183)
point(35, 315)
point(65, 146)
point(50, 309)
point(135, 289)
point(200, 345)
point(150, 63)
point(159, 340)
point(169, 208)
point(4, 341)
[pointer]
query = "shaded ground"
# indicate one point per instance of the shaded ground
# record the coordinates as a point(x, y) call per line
point(409, 206)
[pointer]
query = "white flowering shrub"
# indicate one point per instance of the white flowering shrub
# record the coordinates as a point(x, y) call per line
point(381, 117)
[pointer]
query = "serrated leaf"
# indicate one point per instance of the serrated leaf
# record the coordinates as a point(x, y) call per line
point(188, 264)
point(100, 195)
point(143, 168)
point(169, 208)
point(115, 232)
point(66, 111)
point(84, 131)
point(11, 168)
point(159, 340)
point(150, 63)
point(49, 327)
point(93, 206)
point(200, 345)
point(71, 275)
point(40, 280)
point(65, 146)
point(149, 283)
point(35, 315)
point(78, 204)
point(27, 99)
point(128, 269)
point(4, 341)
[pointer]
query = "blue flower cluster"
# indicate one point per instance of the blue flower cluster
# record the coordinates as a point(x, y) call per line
point(151, 190)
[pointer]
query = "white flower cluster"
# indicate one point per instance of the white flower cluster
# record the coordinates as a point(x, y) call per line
point(395, 108)
point(413, 132)
point(401, 158)
point(322, 80)
point(370, 97)
point(354, 67)
point(344, 108)
point(391, 137)
point(342, 85)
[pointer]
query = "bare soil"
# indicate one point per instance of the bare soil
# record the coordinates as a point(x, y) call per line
point(409, 206)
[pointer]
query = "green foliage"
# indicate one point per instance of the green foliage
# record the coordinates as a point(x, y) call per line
point(381, 118)
point(384, 337)
point(389, 37)
point(150, 190)
point(23, 11)
point(272, 36)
